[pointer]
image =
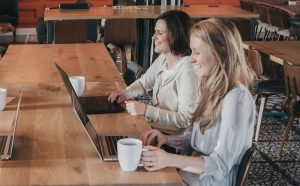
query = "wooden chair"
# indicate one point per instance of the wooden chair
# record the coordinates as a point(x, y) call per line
point(121, 32)
point(263, 21)
point(292, 83)
point(132, 73)
point(279, 20)
point(75, 31)
point(244, 167)
point(265, 88)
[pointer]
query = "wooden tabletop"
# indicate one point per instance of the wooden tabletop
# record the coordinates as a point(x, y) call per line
point(35, 63)
point(278, 51)
point(292, 10)
point(52, 148)
point(146, 12)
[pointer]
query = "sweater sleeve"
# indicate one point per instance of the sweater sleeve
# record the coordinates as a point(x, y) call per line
point(188, 95)
point(146, 82)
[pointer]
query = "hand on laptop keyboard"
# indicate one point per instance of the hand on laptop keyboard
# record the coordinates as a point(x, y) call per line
point(117, 97)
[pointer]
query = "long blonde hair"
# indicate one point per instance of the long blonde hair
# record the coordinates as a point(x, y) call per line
point(226, 45)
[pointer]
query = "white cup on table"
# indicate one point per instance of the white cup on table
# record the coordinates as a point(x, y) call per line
point(129, 153)
point(78, 83)
point(3, 97)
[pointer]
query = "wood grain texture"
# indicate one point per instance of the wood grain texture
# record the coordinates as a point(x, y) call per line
point(278, 51)
point(147, 12)
point(35, 63)
point(52, 147)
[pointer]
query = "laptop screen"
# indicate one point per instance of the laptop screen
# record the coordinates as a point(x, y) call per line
point(66, 80)
point(89, 128)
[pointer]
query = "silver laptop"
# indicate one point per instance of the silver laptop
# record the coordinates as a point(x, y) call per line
point(90, 104)
point(105, 146)
point(7, 139)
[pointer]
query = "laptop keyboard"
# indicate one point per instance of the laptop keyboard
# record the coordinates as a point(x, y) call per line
point(2, 144)
point(111, 142)
point(94, 104)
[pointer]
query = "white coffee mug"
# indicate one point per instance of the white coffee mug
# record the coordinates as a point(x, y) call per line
point(129, 153)
point(78, 83)
point(3, 96)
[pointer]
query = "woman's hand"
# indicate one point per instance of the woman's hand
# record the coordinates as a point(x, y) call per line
point(135, 108)
point(155, 158)
point(119, 97)
point(149, 135)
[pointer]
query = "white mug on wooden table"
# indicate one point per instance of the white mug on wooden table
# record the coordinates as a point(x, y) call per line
point(78, 83)
point(3, 96)
point(129, 153)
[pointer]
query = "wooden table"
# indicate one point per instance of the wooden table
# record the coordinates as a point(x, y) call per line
point(278, 51)
point(146, 14)
point(292, 10)
point(51, 146)
point(35, 63)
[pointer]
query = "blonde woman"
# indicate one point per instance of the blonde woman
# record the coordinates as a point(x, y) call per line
point(171, 77)
point(224, 127)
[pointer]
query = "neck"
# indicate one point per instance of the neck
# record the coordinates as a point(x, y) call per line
point(172, 60)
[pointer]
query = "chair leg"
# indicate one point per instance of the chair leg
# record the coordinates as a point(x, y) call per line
point(255, 98)
point(124, 61)
point(259, 118)
point(286, 133)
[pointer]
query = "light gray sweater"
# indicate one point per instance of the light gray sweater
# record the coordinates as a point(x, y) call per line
point(175, 100)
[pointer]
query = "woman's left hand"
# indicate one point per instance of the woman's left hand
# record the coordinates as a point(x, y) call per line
point(155, 158)
point(135, 108)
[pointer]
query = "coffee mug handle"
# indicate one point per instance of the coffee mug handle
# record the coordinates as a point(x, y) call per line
point(143, 150)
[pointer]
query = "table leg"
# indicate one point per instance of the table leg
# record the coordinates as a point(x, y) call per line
point(143, 43)
point(252, 31)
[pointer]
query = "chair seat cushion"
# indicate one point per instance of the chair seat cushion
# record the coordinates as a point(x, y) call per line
point(271, 87)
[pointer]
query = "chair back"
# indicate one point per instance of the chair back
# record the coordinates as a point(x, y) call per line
point(244, 167)
point(263, 12)
point(292, 79)
point(132, 73)
point(254, 58)
point(278, 18)
point(120, 31)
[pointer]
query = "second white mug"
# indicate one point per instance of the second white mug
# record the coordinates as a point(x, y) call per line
point(78, 83)
point(3, 96)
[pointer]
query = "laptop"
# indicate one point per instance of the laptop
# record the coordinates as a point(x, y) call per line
point(105, 146)
point(7, 139)
point(91, 105)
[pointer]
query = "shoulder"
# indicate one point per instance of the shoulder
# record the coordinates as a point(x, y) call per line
point(160, 60)
point(186, 66)
point(239, 95)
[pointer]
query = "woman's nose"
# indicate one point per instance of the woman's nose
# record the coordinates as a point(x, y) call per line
point(192, 60)
point(154, 36)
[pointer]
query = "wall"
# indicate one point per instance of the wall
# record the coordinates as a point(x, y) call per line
point(31, 10)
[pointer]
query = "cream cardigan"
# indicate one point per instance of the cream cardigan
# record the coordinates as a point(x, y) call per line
point(174, 100)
